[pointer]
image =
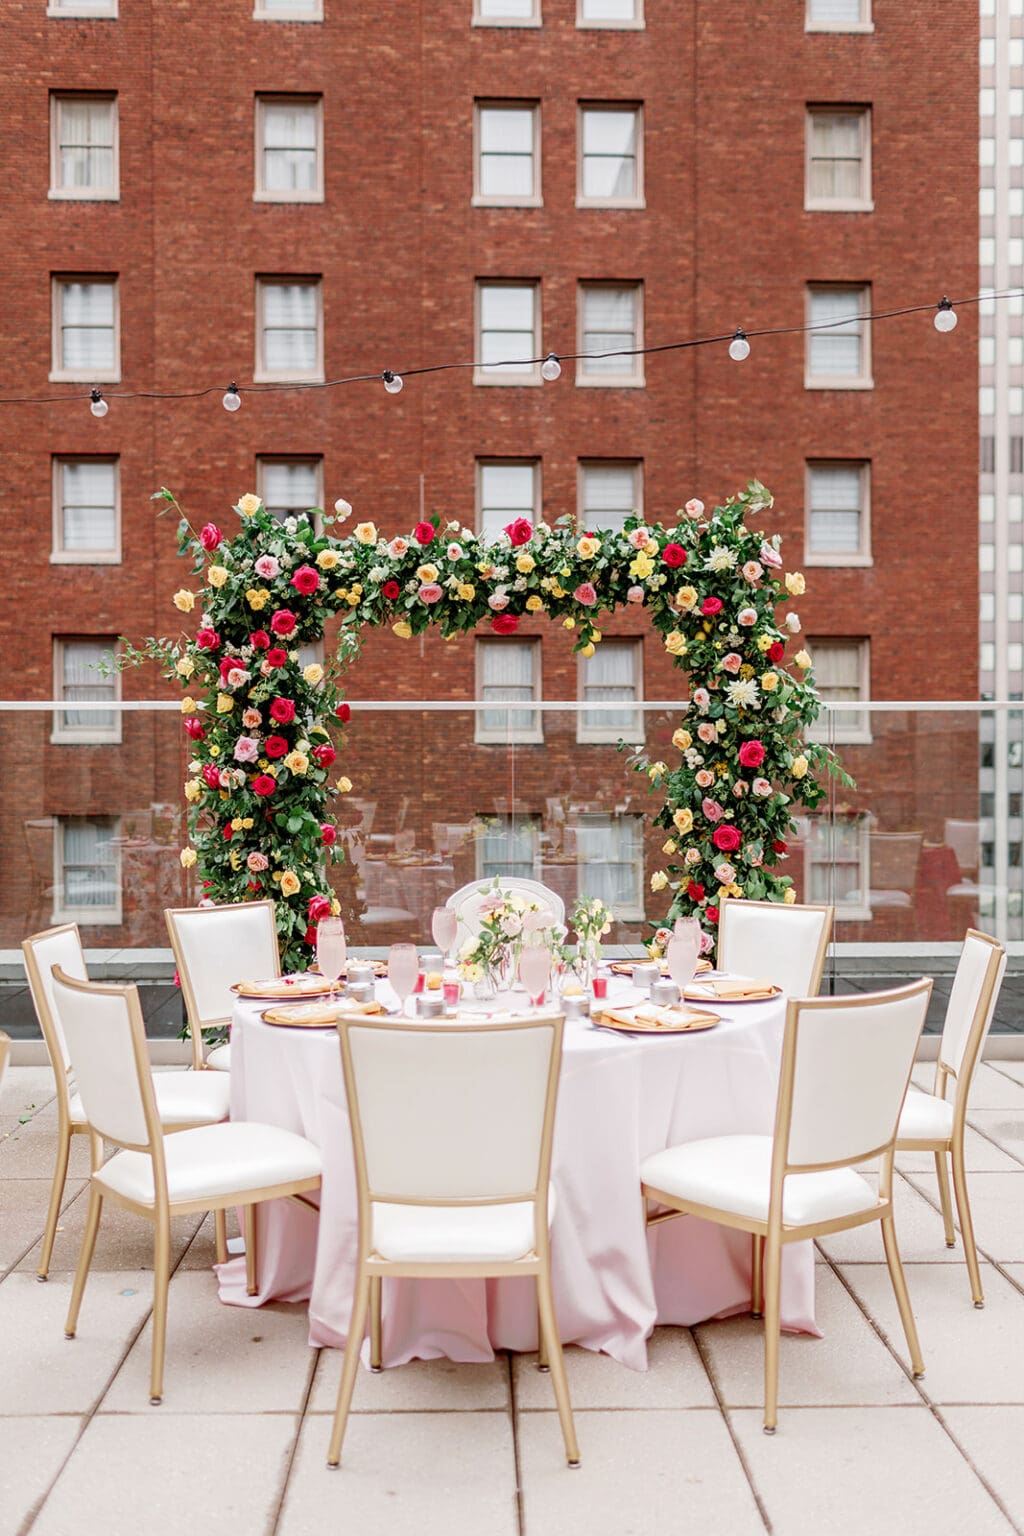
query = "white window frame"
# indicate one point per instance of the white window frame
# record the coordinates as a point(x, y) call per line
point(864, 25)
point(94, 917)
point(634, 380)
point(637, 24)
point(864, 379)
point(533, 20)
point(853, 734)
point(506, 200)
point(860, 556)
point(493, 460)
point(527, 735)
point(858, 911)
point(81, 10)
point(262, 374)
point(637, 199)
point(864, 202)
point(500, 377)
point(266, 10)
point(620, 914)
point(314, 459)
point(283, 98)
point(57, 193)
point(58, 554)
point(58, 373)
point(65, 735)
point(636, 466)
point(590, 735)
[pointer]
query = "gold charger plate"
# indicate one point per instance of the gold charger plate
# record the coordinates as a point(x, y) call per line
point(315, 1015)
point(379, 967)
point(725, 991)
point(283, 988)
point(625, 967)
point(688, 1023)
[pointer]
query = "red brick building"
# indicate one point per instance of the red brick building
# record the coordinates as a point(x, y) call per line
point(290, 191)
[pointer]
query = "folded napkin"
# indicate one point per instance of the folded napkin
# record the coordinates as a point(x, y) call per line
point(317, 1015)
point(723, 989)
point(650, 1018)
point(306, 985)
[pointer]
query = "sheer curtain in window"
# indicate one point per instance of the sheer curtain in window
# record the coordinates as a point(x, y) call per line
point(507, 672)
point(507, 327)
point(609, 325)
point(81, 679)
point(507, 847)
point(611, 674)
point(290, 327)
point(88, 505)
point(837, 352)
point(289, 146)
point(610, 854)
point(506, 152)
point(836, 496)
point(86, 143)
point(836, 152)
point(609, 153)
point(289, 488)
point(87, 326)
point(609, 495)
point(89, 872)
point(507, 491)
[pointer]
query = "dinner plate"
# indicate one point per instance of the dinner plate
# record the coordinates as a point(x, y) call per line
point(315, 1015)
point(282, 988)
point(625, 1020)
point(718, 992)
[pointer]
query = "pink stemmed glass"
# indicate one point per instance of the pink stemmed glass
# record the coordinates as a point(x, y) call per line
point(403, 969)
point(535, 970)
point(683, 951)
point(331, 950)
point(444, 925)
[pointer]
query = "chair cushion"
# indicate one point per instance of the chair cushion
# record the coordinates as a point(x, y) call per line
point(215, 1160)
point(470, 1234)
point(925, 1118)
point(220, 1058)
point(733, 1173)
point(182, 1098)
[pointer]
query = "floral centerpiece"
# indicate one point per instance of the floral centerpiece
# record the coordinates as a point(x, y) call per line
point(591, 919)
point(507, 920)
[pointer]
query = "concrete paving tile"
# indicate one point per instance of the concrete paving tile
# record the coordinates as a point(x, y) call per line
point(219, 1359)
point(421, 1385)
point(25, 1090)
point(864, 1472)
point(991, 1438)
point(996, 1209)
point(408, 1474)
point(23, 1207)
point(1011, 1069)
point(125, 1240)
point(849, 1365)
point(981, 1155)
point(201, 1252)
point(919, 1231)
point(995, 1088)
point(42, 1371)
point(28, 1151)
point(208, 1474)
point(675, 1377)
point(970, 1356)
point(1004, 1126)
point(32, 1451)
point(640, 1474)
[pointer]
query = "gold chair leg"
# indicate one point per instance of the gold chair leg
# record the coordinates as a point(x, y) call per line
point(542, 1347)
point(942, 1174)
point(757, 1275)
point(251, 1284)
point(60, 1174)
point(963, 1206)
point(376, 1284)
point(559, 1380)
point(353, 1344)
point(92, 1226)
point(161, 1282)
point(220, 1235)
point(899, 1285)
point(772, 1295)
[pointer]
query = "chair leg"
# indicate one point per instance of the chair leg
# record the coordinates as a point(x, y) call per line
point(353, 1344)
point(899, 1285)
point(161, 1282)
point(251, 1285)
point(542, 1346)
point(92, 1226)
point(559, 1380)
point(942, 1174)
point(60, 1173)
point(220, 1235)
point(963, 1206)
point(757, 1275)
point(376, 1285)
point(772, 1298)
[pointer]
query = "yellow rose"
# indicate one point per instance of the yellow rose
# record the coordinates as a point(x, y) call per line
point(790, 896)
point(216, 575)
point(587, 650)
point(534, 603)
point(525, 564)
point(188, 857)
point(236, 823)
point(683, 820)
point(248, 504)
point(795, 583)
point(587, 547)
point(192, 790)
point(235, 860)
point(313, 674)
point(569, 623)
point(802, 659)
point(257, 597)
point(557, 590)
point(366, 533)
point(188, 705)
point(799, 767)
point(344, 785)
point(595, 635)
point(225, 703)
point(485, 568)
point(656, 770)
point(184, 600)
point(670, 847)
point(247, 823)
point(335, 907)
point(686, 597)
point(327, 559)
point(290, 883)
point(659, 880)
point(764, 643)
point(427, 572)
point(769, 682)
point(186, 666)
point(682, 740)
point(675, 643)
point(352, 598)
point(297, 762)
point(466, 591)
point(402, 629)
point(641, 566)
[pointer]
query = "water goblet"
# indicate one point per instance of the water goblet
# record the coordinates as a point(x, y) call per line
point(331, 950)
point(403, 969)
point(444, 925)
point(534, 970)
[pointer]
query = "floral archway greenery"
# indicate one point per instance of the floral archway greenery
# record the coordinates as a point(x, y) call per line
point(258, 719)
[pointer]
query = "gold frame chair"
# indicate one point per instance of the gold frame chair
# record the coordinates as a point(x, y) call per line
point(772, 909)
point(371, 1267)
point(769, 1236)
point(196, 1023)
point(962, 1075)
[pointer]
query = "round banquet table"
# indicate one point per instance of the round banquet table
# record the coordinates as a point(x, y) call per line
point(620, 1099)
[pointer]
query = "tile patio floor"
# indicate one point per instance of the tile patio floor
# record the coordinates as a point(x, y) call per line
point(474, 1450)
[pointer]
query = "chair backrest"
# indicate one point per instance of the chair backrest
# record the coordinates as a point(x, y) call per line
point(5, 1054)
point(972, 1003)
point(42, 951)
point(468, 900)
point(213, 948)
point(846, 1064)
point(768, 938)
point(455, 1113)
point(964, 837)
point(894, 860)
point(106, 1038)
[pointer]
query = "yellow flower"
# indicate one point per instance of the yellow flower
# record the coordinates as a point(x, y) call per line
point(236, 823)
point(427, 572)
point(525, 564)
point(186, 666)
point(675, 643)
point(587, 547)
point(352, 598)
point(184, 600)
point(366, 533)
point(357, 588)
point(587, 650)
point(682, 740)
point(686, 597)
point(485, 568)
point(297, 762)
point(313, 674)
point(670, 847)
point(769, 682)
point(683, 820)
point(569, 623)
point(641, 566)
point(656, 770)
point(790, 896)
point(344, 785)
point(799, 767)
point(248, 504)
point(335, 907)
point(225, 703)
point(235, 860)
point(216, 575)
point(466, 591)
point(188, 857)
point(290, 883)
point(247, 823)
point(557, 590)
point(192, 790)
point(595, 635)
point(659, 880)
point(403, 629)
point(534, 603)
point(215, 750)
point(257, 597)
point(327, 559)
point(764, 643)
point(795, 583)
point(802, 659)
point(188, 705)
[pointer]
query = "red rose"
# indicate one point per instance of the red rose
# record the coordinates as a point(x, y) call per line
point(424, 533)
point(776, 651)
point(283, 711)
point(328, 834)
point(752, 754)
point(305, 580)
point(711, 913)
point(211, 773)
point(275, 746)
point(674, 555)
point(259, 639)
point(207, 639)
point(343, 713)
point(283, 622)
point(228, 831)
point(726, 838)
point(276, 657)
point(263, 784)
point(505, 623)
point(778, 846)
point(310, 936)
point(318, 907)
point(210, 536)
point(254, 885)
point(710, 606)
point(391, 590)
point(193, 727)
point(323, 756)
point(695, 891)
point(520, 530)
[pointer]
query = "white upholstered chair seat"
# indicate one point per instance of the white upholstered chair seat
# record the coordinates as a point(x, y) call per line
point(220, 1057)
point(214, 1160)
point(182, 1098)
point(470, 1234)
point(733, 1173)
point(925, 1117)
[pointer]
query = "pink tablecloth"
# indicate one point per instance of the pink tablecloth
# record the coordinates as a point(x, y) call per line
point(620, 1099)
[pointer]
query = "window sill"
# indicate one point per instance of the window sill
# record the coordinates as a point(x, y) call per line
point(67, 739)
point(93, 378)
point(618, 382)
point(857, 28)
point(840, 560)
point(288, 198)
point(508, 381)
point(611, 202)
point(507, 21)
point(812, 383)
point(83, 195)
point(89, 917)
point(839, 205)
point(611, 26)
point(85, 557)
point(500, 739)
point(595, 740)
point(286, 378)
point(87, 13)
point(507, 202)
point(272, 15)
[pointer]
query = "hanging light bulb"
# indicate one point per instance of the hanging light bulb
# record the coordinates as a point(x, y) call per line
point(739, 347)
point(945, 315)
point(97, 404)
point(551, 368)
point(393, 382)
point(232, 400)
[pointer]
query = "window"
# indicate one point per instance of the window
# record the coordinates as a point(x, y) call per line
point(613, 675)
point(610, 856)
point(289, 486)
point(609, 13)
point(508, 333)
point(837, 861)
point(508, 671)
point(86, 340)
point(506, 13)
point(507, 154)
point(288, 10)
point(289, 149)
point(289, 335)
point(610, 171)
point(86, 512)
point(838, 158)
point(841, 671)
point(99, 8)
point(78, 678)
point(839, 16)
point(507, 846)
point(506, 489)
point(607, 492)
point(838, 529)
point(83, 146)
point(610, 321)
point(87, 872)
point(838, 357)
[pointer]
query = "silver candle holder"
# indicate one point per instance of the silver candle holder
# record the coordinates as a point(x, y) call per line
point(664, 992)
point(360, 991)
point(430, 1005)
point(576, 1005)
point(645, 973)
point(359, 973)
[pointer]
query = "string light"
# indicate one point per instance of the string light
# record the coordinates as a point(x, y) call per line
point(739, 347)
point(393, 382)
point(97, 404)
point(946, 316)
point(232, 399)
point(551, 368)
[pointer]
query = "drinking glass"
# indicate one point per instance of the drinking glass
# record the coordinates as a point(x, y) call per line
point(331, 951)
point(683, 951)
point(403, 969)
point(444, 925)
point(534, 970)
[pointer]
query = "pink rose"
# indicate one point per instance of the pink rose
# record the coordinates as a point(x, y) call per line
point(247, 749)
point(694, 509)
point(712, 810)
point(430, 592)
point(210, 536)
point(328, 834)
point(497, 602)
point(397, 548)
point(424, 533)
point(726, 839)
point(586, 593)
point(207, 639)
point(639, 537)
point(707, 943)
point(505, 624)
point(707, 732)
point(251, 718)
point(520, 530)
point(635, 595)
point(732, 662)
point(740, 788)
point(710, 606)
point(211, 774)
point(267, 567)
point(674, 555)
point(324, 756)
point(705, 778)
point(724, 873)
point(306, 580)
point(753, 571)
point(702, 699)
point(257, 861)
point(751, 753)
point(761, 787)
point(193, 728)
point(264, 784)
point(236, 677)
point(770, 556)
point(747, 617)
